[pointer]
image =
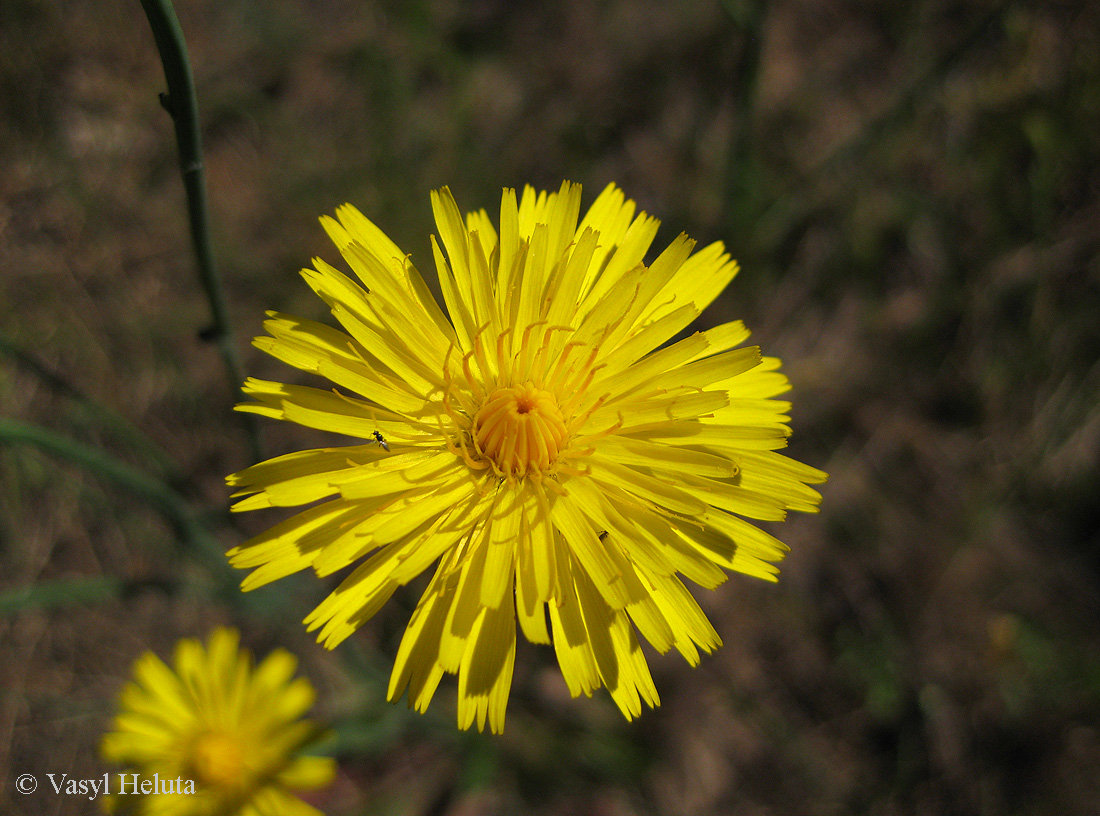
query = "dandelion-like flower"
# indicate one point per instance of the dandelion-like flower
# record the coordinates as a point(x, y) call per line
point(536, 447)
point(214, 736)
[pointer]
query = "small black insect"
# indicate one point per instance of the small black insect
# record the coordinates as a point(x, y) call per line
point(603, 534)
point(381, 440)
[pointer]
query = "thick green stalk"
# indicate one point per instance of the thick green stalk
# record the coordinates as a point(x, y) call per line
point(181, 103)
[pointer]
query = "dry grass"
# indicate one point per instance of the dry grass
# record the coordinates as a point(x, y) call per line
point(916, 214)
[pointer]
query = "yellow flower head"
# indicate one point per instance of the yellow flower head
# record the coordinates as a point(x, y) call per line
point(535, 446)
point(212, 720)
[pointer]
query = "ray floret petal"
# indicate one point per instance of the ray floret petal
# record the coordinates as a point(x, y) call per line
point(549, 449)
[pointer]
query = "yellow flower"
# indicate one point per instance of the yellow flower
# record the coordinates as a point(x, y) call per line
point(213, 736)
point(534, 446)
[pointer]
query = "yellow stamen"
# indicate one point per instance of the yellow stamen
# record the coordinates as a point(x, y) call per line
point(520, 429)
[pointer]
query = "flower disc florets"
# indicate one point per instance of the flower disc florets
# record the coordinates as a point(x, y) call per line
point(522, 421)
point(520, 431)
point(540, 445)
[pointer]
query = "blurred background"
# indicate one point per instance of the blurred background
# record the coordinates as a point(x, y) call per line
point(912, 191)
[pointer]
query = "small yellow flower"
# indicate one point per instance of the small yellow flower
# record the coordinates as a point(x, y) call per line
point(212, 720)
point(534, 446)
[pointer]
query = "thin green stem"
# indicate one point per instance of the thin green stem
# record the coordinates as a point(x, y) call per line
point(181, 103)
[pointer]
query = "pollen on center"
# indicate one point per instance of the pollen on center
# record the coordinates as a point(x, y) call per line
point(520, 430)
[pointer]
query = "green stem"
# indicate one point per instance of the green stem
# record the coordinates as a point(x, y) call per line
point(181, 103)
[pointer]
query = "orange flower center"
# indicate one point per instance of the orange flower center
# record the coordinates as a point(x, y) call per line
point(520, 429)
point(217, 761)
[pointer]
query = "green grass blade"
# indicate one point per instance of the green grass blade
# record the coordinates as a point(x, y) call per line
point(60, 593)
point(157, 493)
point(113, 423)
